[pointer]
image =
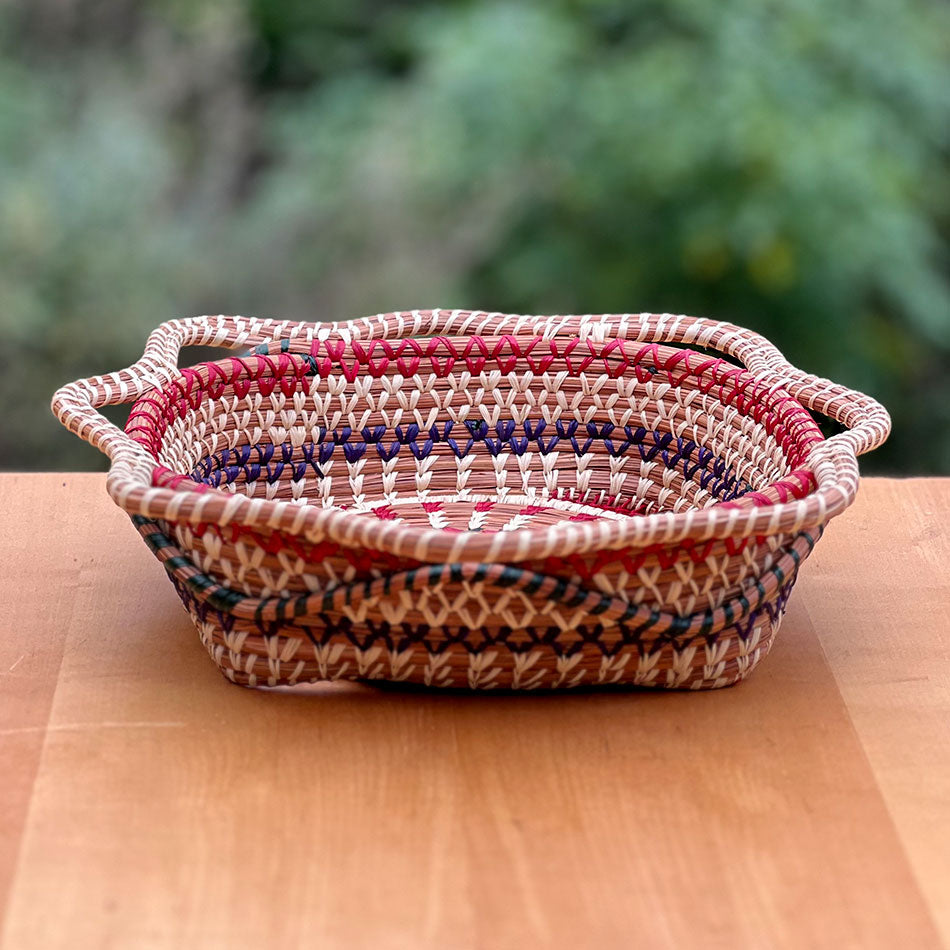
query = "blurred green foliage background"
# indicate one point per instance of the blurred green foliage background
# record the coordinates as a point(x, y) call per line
point(781, 165)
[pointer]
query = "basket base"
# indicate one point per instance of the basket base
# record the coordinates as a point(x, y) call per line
point(489, 513)
point(291, 659)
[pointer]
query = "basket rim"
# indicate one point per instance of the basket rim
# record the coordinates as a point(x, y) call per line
point(155, 414)
point(833, 462)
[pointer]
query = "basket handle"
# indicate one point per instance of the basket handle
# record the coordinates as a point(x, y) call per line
point(867, 423)
point(75, 404)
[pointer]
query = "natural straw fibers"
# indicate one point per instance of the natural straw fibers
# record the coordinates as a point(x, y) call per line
point(476, 499)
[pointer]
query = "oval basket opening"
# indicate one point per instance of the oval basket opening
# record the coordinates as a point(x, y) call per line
point(478, 434)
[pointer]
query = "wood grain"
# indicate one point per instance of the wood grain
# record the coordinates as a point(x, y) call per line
point(146, 802)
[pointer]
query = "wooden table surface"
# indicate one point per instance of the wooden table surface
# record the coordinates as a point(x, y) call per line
point(145, 802)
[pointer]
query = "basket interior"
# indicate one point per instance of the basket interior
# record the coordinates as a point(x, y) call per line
point(503, 434)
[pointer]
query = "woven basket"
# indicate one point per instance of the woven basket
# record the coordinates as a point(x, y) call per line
point(482, 500)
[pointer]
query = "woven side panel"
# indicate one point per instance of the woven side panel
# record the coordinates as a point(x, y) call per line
point(291, 658)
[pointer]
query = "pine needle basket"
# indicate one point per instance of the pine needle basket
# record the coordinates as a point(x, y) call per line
point(477, 499)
